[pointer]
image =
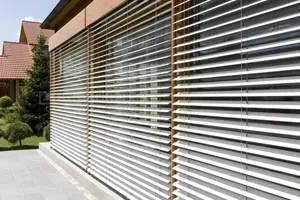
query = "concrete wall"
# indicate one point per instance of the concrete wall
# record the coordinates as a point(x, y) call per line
point(93, 12)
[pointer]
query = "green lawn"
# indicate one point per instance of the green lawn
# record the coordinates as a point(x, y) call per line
point(28, 143)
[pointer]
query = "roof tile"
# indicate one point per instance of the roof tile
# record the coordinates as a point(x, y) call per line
point(17, 57)
point(32, 30)
point(16, 60)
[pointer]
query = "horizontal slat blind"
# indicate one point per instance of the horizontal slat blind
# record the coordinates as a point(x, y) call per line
point(69, 82)
point(237, 99)
point(129, 106)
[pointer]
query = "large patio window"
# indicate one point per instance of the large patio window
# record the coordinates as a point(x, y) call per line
point(69, 89)
point(129, 120)
point(237, 107)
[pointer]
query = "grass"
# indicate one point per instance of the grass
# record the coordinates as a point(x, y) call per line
point(27, 143)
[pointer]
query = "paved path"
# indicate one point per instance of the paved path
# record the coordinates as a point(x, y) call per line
point(26, 175)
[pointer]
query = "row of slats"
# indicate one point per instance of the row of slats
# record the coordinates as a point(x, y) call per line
point(237, 99)
point(69, 95)
point(129, 106)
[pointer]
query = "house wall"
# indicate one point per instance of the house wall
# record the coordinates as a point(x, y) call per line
point(12, 89)
point(4, 88)
point(8, 88)
point(23, 38)
point(19, 87)
point(77, 7)
point(98, 8)
point(70, 29)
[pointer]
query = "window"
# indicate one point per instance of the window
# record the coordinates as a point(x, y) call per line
point(237, 102)
point(130, 100)
point(69, 95)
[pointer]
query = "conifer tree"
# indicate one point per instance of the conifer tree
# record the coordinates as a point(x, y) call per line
point(34, 99)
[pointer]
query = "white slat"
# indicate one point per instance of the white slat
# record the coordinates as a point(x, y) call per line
point(129, 106)
point(69, 100)
point(237, 110)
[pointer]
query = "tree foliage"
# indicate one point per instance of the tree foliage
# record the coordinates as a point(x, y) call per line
point(5, 102)
point(2, 112)
point(17, 131)
point(46, 132)
point(2, 133)
point(12, 117)
point(34, 99)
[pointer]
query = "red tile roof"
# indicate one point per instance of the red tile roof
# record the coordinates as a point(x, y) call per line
point(15, 61)
point(17, 56)
point(32, 30)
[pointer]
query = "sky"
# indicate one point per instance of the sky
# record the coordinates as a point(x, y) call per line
point(12, 12)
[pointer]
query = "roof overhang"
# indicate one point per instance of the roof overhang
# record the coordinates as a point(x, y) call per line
point(60, 10)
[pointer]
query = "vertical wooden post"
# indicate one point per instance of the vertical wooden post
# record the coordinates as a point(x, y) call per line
point(173, 99)
point(17, 89)
point(52, 57)
point(88, 96)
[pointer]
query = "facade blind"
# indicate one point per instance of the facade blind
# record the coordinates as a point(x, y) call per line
point(237, 99)
point(129, 100)
point(69, 96)
point(234, 116)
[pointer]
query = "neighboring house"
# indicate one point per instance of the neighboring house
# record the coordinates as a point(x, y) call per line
point(16, 58)
point(181, 99)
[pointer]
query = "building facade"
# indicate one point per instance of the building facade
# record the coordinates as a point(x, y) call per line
point(16, 58)
point(181, 99)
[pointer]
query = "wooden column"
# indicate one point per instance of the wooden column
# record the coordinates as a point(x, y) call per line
point(173, 99)
point(52, 57)
point(176, 4)
point(12, 90)
point(89, 96)
point(17, 88)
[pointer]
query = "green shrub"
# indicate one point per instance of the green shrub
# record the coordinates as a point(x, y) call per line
point(5, 102)
point(12, 117)
point(2, 112)
point(46, 132)
point(2, 122)
point(17, 131)
point(31, 120)
point(9, 109)
point(1, 132)
point(13, 108)
point(39, 128)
